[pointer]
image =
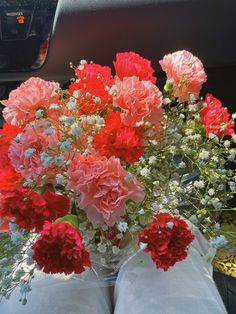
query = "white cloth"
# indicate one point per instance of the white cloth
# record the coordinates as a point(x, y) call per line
point(140, 288)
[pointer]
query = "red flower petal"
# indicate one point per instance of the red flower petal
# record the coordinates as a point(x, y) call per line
point(132, 64)
point(29, 209)
point(118, 140)
point(166, 245)
point(59, 249)
point(216, 118)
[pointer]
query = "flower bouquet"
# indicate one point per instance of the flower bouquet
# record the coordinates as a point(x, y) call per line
point(112, 165)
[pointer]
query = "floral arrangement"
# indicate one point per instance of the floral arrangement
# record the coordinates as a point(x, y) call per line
point(109, 161)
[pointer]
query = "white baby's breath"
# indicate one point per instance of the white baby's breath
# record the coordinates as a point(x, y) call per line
point(199, 184)
point(204, 154)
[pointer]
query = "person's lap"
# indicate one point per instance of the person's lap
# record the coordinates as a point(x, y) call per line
point(140, 288)
point(62, 295)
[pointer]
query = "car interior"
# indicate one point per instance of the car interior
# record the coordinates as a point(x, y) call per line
point(41, 37)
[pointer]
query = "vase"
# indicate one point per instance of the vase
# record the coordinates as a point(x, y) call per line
point(106, 265)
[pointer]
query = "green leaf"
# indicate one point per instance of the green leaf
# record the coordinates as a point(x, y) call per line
point(71, 219)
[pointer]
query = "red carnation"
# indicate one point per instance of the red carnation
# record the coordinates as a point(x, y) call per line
point(167, 239)
point(7, 133)
point(4, 227)
point(93, 70)
point(56, 201)
point(118, 140)
point(216, 118)
point(59, 249)
point(93, 85)
point(9, 177)
point(30, 209)
point(132, 64)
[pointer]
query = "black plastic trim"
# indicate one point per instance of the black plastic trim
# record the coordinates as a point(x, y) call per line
point(97, 29)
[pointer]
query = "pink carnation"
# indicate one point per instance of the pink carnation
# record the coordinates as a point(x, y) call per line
point(216, 118)
point(22, 103)
point(186, 71)
point(132, 64)
point(32, 167)
point(140, 101)
point(104, 187)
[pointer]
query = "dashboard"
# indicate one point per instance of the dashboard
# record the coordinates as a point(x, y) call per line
point(25, 28)
point(41, 37)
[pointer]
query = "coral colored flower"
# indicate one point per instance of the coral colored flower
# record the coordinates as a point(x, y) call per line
point(140, 101)
point(7, 133)
point(216, 118)
point(186, 71)
point(103, 187)
point(32, 166)
point(92, 87)
point(29, 209)
point(59, 249)
point(132, 64)
point(167, 239)
point(24, 101)
point(118, 140)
